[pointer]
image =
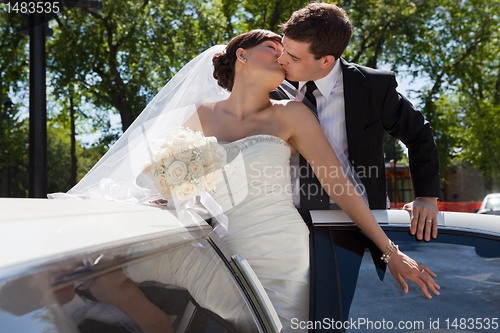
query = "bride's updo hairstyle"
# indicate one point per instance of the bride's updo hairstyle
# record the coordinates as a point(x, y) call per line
point(224, 62)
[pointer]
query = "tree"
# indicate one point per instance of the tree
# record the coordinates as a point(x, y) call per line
point(60, 168)
point(116, 60)
point(461, 61)
point(267, 14)
point(120, 57)
point(13, 130)
point(13, 55)
point(454, 45)
point(382, 28)
point(13, 153)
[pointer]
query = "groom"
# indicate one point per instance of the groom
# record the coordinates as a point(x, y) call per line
point(355, 105)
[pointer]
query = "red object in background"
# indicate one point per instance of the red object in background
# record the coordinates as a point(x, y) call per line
point(470, 206)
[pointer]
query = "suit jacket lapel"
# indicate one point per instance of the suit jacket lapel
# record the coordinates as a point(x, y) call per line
point(356, 106)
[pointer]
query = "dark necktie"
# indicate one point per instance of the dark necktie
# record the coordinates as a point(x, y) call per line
point(312, 195)
point(310, 87)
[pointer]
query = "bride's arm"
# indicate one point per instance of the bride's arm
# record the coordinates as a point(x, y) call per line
point(306, 136)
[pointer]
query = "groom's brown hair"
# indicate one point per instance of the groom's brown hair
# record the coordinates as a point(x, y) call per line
point(326, 27)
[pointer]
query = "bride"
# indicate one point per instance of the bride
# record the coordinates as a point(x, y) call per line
point(264, 227)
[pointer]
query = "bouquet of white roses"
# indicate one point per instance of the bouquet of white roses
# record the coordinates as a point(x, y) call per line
point(185, 164)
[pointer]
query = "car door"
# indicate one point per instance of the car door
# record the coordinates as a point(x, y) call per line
point(354, 292)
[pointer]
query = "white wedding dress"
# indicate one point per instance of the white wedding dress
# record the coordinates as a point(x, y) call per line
point(264, 228)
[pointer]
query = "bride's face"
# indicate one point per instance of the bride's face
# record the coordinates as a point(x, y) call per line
point(262, 60)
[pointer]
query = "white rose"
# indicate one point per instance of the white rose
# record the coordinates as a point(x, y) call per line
point(165, 157)
point(164, 144)
point(182, 137)
point(176, 172)
point(183, 153)
point(185, 191)
point(206, 157)
point(148, 168)
point(161, 185)
point(212, 177)
point(220, 154)
point(196, 169)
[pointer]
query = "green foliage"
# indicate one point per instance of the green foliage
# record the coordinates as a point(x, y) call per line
point(482, 141)
point(267, 14)
point(392, 149)
point(381, 29)
point(455, 46)
point(59, 163)
point(13, 154)
point(120, 57)
point(459, 53)
point(13, 130)
point(13, 55)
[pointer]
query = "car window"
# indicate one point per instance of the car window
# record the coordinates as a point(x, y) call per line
point(468, 270)
point(493, 203)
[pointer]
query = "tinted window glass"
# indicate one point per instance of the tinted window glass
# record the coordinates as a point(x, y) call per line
point(469, 276)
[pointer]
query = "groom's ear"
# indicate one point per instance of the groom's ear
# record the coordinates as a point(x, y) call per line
point(327, 61)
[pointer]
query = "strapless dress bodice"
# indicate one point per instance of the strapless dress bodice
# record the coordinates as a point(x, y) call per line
point(258, 169)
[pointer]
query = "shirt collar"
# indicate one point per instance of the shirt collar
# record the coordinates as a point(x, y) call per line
point(326, 84)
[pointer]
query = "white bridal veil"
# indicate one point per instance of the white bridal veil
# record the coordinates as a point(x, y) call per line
point(115, 176)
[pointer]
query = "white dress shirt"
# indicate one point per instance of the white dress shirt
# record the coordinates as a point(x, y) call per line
point(331, 114)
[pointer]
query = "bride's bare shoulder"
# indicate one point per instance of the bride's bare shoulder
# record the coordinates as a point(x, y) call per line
point(204, 112)
point(293, 109)
point(290, 104)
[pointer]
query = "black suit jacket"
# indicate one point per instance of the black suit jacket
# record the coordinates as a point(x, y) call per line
point(372, 106)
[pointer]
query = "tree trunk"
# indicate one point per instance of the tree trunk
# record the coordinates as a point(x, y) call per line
point(73, 140)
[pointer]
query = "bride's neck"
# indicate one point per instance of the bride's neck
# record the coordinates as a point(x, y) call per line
point(246, 100)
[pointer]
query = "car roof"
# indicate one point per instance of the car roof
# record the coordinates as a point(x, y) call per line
point(469, 221)
point(34, 229)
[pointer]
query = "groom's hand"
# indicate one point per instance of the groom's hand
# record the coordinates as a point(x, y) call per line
point(423, 213)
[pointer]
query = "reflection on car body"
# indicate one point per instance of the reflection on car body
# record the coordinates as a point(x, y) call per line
point(52, 251)
point(44, 285)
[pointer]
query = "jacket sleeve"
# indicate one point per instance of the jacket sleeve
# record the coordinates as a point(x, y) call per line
point(403, 121)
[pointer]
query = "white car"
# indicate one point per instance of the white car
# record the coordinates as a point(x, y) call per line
point(490, 204)
point(51, 249)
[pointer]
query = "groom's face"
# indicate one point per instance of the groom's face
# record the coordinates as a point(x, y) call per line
point(298, 62)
